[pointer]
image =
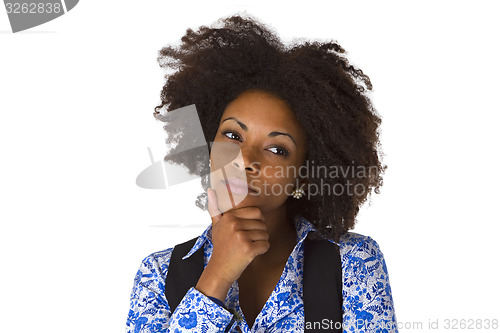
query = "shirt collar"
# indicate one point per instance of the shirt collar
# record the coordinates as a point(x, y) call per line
point(302, 225)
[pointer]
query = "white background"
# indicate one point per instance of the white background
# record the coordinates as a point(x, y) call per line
point(77, 96)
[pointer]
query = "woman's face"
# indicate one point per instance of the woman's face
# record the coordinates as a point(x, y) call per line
point(257, 152)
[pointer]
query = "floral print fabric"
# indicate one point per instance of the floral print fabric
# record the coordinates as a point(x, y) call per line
point(367, 298)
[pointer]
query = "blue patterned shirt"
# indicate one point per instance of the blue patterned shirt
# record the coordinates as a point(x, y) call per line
point(367, 299)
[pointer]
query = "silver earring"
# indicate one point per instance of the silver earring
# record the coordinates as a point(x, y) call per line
point(298, 193)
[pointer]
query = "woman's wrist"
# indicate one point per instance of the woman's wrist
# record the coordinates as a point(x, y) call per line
point(211, 285)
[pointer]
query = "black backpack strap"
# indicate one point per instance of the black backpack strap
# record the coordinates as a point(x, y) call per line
point(182, 274)
point(322, 285)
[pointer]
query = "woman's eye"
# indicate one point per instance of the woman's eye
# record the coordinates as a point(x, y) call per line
point(231, 135)
point(279, 151)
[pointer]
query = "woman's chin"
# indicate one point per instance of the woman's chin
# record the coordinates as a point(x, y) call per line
point(238, 200)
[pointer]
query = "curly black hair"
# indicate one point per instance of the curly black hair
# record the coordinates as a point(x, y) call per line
point(214, 65)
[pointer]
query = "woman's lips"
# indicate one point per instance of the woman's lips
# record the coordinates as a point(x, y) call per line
point(238, 186)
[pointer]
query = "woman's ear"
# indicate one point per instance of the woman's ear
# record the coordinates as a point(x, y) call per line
point(303, 182)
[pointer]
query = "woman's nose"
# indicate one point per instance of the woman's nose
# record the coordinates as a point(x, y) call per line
point(246, 161)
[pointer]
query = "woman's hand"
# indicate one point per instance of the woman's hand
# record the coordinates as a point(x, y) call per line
point(238, 236)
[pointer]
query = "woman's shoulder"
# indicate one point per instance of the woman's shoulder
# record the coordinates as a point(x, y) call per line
point(150, 277)
point(156, 264)
point(362, 255)
point(355, 244)
point(154, 267)
point(159, 259)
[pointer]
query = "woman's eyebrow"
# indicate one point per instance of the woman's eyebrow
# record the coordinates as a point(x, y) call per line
point(271, 134)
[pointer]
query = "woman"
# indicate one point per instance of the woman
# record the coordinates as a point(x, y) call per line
point(295, 153)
